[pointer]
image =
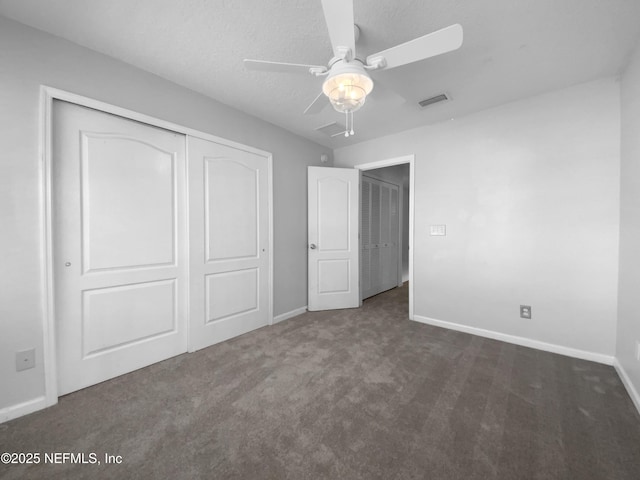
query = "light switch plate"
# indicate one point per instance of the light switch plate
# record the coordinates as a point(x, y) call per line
point(25, 359)
point(438, 230)
point(638, 350)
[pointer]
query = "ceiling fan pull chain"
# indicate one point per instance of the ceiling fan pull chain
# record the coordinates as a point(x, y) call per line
point(346, 128)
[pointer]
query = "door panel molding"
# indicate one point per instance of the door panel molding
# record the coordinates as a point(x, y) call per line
point(167, 253)
point(250, 186)
point(95, 341)
point(248, 277)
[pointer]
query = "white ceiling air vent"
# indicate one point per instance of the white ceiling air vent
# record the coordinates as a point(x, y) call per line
point(430, 101)
point(332, 129)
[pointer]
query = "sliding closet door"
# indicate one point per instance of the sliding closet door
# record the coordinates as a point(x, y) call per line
point(229, 242)
point(119, 245)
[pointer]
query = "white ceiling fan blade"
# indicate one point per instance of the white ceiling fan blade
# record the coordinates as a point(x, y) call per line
point(267, 66)
point(339, 17)
point(317, 105)
point(436, 43)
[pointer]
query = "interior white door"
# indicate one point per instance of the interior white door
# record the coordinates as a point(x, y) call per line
point(333, 219)
point(229, 242)
point(119, 245)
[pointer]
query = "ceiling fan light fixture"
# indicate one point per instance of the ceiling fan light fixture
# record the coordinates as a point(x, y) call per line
point(348, 83)
point(347, 87)
point(348, 98)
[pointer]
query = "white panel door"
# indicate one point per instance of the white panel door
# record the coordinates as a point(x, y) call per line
point(119, 245)
point(334, 249)
point(229, 242)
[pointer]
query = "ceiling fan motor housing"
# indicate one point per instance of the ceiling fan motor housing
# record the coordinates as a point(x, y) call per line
point(347, 86)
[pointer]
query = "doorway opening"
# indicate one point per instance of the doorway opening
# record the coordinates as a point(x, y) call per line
point(387, 251)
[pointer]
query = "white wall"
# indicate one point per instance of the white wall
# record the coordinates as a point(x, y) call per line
point(29, 58)
point(529, 192)
point(629, 280)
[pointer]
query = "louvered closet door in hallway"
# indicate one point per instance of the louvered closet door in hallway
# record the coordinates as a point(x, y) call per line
point(229, 242)
point(119, 245)
point(380, 234)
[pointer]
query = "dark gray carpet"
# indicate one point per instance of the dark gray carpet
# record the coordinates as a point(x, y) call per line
point(355, 394)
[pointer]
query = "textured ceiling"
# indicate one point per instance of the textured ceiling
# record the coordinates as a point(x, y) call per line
point(512, 49)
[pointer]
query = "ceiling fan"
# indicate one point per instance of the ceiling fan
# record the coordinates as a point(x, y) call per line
point(348, 81)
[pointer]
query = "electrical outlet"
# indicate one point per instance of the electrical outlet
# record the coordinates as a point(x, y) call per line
point(525, 311)
point(438, 230)
point(25, 359)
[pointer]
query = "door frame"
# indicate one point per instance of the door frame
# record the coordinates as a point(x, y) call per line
point(47, 97)
point(410, 159)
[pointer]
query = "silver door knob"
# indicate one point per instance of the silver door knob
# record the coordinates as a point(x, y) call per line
point(312, 246)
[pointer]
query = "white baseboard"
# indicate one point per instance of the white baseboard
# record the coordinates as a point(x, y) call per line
point(291, 314)
point(626, 381)
point(525, 342)
point(21, 409)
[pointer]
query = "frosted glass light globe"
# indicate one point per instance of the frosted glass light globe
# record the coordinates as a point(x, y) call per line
point(347, 87)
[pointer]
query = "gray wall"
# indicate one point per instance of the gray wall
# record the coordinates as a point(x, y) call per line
point(529, 192)
point(29, 58)
point(629, 280)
